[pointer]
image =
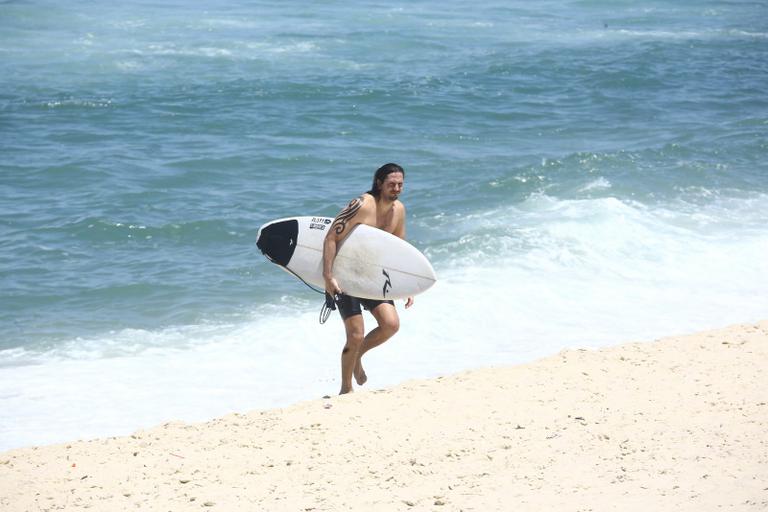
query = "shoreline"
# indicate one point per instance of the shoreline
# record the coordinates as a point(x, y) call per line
point(676, 423)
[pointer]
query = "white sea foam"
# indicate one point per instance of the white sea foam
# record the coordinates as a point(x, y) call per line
point(238, 50)
point(239, 23)
point(523, 282)
point(600, 183)
point(685, 34)
point(79, 102)
point(173, 50)
point(265, 363)
point(269, 48)
point(129, 65)
point(610, 33)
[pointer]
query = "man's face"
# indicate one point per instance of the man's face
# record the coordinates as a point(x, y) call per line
point(392, 186)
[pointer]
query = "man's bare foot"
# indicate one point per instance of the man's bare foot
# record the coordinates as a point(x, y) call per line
point(360, 376)
point(345, 391)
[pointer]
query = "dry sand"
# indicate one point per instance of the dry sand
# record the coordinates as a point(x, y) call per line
point(676, 424)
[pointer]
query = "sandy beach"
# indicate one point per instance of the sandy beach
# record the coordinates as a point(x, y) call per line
point(678, 423)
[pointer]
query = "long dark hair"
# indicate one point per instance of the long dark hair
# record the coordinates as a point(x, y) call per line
point(381, 174)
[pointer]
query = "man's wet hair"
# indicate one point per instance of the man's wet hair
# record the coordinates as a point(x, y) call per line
point(381, 174)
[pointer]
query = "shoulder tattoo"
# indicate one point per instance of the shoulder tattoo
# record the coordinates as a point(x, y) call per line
point(340, 223)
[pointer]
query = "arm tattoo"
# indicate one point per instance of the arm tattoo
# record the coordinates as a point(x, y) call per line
point(340, 224)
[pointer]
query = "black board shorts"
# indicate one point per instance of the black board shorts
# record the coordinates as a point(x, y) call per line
point(350, 306)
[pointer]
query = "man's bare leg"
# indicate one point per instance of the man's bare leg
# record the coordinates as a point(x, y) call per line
point(354, 328)
point(389, 323)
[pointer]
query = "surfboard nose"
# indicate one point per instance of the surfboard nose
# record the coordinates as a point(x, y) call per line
point(277, 240)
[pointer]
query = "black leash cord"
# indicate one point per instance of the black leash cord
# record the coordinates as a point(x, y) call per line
point(321, 292)
point(330, 302)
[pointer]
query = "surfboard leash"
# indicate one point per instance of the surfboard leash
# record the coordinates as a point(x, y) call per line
point(330, 302)
point(297, 276)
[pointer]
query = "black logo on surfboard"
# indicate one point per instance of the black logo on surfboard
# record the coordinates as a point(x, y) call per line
point(319, 223)
point(387, 283)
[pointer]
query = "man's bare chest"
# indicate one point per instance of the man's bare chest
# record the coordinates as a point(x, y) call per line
point(386, 220)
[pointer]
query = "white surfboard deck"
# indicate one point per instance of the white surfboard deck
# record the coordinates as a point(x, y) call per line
point(370, 263)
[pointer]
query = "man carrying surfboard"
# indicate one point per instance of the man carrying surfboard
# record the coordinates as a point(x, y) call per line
point(380, 208)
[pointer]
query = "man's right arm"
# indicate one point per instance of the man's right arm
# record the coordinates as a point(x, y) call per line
point(348, 218)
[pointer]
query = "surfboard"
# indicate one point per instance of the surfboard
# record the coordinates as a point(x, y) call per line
point(370, 263)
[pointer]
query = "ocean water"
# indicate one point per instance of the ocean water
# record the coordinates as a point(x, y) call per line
point(580, 173)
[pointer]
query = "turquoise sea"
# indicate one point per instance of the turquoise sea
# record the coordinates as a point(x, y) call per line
point(580, 173)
